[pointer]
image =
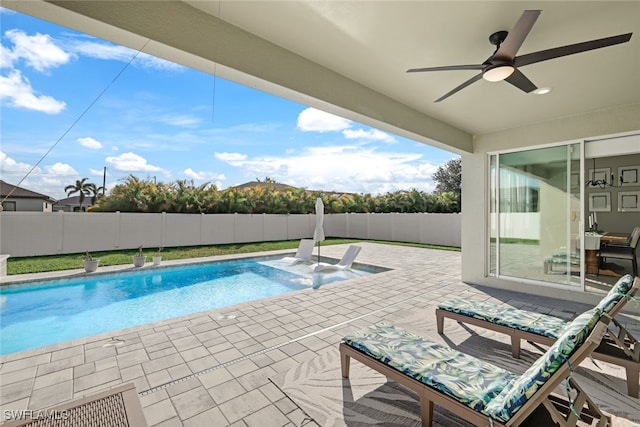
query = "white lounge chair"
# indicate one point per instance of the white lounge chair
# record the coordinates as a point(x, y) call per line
point(303, 254)
point(345, 263)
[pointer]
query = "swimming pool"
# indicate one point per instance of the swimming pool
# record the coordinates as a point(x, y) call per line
point(50, 312)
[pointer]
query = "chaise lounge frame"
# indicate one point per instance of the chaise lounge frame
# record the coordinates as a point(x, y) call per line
point(116, 407)
point(621, 349)
point(538, 410)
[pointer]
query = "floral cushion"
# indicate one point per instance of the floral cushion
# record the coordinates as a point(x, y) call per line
point(528, 321)
point(619, 290)
point(561, 260)
point(516, 394)
point(573, 255)
point(463, 377)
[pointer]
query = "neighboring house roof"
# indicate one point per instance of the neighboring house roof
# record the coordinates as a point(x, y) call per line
point(281, 187)
point(21, 193)
point(74, 201)
point(274, 185)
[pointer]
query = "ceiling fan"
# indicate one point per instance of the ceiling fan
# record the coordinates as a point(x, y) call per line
point(504, 64)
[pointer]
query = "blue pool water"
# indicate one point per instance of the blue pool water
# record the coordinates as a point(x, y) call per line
point(45, 313)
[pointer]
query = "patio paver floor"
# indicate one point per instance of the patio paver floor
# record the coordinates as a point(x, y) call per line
point(212, 369)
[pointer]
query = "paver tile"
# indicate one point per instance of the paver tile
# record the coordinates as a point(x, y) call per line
point(268, 416)
point(95, 379)
point(215, 377)
point(243, 405)
point(192, 402)
point(159, 411)
point(226, 391)
point(210, 418)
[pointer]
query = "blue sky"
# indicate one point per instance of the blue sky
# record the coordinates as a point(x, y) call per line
point(163, 120)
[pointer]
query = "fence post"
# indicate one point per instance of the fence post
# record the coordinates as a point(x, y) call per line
point(61, 241)
point(118, 231)
point(163, 228)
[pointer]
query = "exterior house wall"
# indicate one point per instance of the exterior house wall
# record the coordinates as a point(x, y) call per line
point(31, 205)
point(475, 185)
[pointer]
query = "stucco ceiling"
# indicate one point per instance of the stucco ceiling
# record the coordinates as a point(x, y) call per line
point(351, 57)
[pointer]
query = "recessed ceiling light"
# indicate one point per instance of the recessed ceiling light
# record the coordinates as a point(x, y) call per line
point(542, 90)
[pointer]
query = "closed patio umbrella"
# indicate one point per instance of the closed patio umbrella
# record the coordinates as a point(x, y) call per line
point(318, 233)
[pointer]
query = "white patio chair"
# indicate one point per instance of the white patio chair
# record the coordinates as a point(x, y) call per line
point(344, 263)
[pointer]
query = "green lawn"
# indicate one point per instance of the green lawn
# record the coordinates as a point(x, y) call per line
point(73, 261)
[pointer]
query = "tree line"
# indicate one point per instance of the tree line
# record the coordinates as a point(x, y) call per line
point(182, 196)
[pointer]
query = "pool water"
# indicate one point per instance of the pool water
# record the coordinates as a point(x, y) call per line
point(46, 313)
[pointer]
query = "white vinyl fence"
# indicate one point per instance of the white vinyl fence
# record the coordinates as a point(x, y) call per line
point(45, 233)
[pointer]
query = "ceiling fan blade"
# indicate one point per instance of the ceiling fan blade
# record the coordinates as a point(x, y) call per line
point(459, 88)
point(446, 68)
point(509, 47)
point(544, 55)
point(521, 81)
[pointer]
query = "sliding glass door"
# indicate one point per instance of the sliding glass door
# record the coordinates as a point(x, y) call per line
point(535, 213)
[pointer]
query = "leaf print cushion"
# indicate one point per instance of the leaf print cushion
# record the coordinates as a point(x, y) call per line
point(463, 377)
point(516, 394)
point(528, 321)
point(619, 290)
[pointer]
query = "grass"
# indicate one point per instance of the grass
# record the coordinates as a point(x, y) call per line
point(42, 264)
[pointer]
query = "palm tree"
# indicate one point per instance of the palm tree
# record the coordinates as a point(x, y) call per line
point(95, 192)
point(81, 187)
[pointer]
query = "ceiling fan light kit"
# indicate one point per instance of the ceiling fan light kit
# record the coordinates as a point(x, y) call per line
point(497, 73)
point(504, 64)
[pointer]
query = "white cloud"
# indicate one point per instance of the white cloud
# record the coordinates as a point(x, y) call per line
point(131, 162)
point(343, 168)
point(312, 120)
point(99, 50)
point(230, 157)
point(368, 135)
point(89, 142)
point(93, 48)
point(180, 120)
point(10, 166)
point(50, 180)
point(61, 169)
point(16, 90)
point(203, 175)
point(6, 57)
point(39, 51)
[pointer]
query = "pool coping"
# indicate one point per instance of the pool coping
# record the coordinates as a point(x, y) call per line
point(21, 279)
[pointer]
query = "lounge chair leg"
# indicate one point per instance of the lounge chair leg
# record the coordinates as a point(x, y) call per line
point(563, 416)
point(426, 411)
point(344, 364)
point(439, 322)
point(633, 378)
point(515, 346)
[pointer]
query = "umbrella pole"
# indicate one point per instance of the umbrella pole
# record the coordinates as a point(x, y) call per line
point(318, 252)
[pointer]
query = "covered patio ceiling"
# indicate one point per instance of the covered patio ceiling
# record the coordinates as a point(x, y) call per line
point(350, 57)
